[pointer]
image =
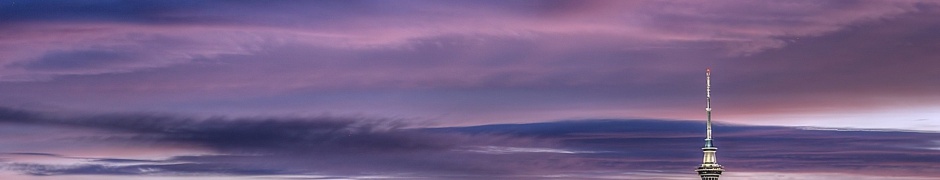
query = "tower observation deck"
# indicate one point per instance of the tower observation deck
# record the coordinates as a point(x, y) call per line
point(709, 170)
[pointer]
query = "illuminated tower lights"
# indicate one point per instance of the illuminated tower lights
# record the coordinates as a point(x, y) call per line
point(709, 170)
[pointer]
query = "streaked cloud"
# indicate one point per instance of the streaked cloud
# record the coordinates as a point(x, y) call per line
point(510, 150)
point(461, 63)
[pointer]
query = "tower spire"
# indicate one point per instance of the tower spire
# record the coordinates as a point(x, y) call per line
point(709, 170)
point(708, 103)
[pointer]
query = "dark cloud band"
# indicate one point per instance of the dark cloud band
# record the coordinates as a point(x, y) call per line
point(353, 147)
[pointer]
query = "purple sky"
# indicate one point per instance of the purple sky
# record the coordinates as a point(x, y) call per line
point(193, 73)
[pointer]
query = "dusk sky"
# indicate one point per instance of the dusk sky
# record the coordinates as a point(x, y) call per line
point(506, 89)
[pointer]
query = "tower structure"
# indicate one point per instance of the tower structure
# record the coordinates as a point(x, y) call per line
point(709, 170)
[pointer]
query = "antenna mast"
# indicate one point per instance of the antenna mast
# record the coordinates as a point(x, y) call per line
point(708, 102)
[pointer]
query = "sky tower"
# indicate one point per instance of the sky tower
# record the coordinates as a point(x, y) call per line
point(709, 170)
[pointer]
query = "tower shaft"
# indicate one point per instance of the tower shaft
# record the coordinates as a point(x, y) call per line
point(709, 170)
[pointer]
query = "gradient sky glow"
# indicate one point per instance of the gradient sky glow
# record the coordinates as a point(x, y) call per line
point(198, 75)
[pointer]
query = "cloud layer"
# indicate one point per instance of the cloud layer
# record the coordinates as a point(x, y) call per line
point(355, 89)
